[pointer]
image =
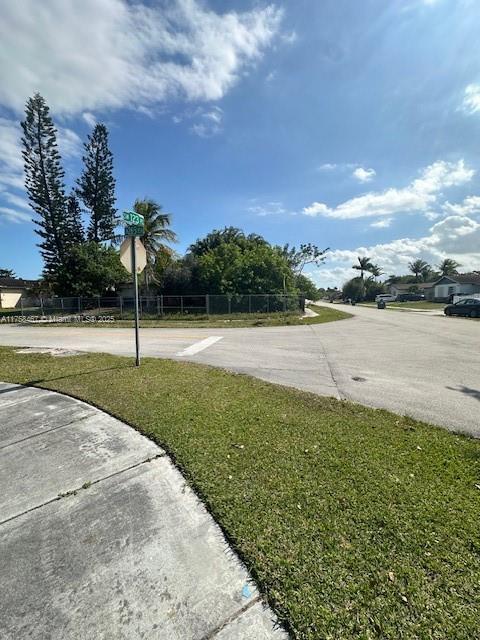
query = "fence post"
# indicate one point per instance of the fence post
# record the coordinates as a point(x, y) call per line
point(284, 303)
point(181, 304)
point(268, 302)
point(41, 304)
point(207, 304)
point(121, 307)
point(229, 305)
point(79, 303)
point(161, 304)
point(98, 304)
point(158, 305)
point(249, 303)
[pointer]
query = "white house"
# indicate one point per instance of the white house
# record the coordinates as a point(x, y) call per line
point(457, 284)
point(11, 290)
point(426, 288)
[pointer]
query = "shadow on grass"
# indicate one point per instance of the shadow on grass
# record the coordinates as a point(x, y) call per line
point(65, 377)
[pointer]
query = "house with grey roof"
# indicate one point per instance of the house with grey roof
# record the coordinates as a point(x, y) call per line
point(456, 284)
point(425, 288)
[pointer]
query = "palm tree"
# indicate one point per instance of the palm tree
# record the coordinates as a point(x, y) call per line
point(418, 267)
point(156, 232)
point(363, 265)
point(376, 271)
point(448, 267)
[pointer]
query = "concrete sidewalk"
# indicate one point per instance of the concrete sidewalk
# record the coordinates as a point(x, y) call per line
point(101, 538)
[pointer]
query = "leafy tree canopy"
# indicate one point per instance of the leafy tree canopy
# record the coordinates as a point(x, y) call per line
point(448, 267)
point(228, 235)
point(354, 289)
point(258, 268)
point(299, 258)
point(306, 287)
point(90, 269)
point(7, 273)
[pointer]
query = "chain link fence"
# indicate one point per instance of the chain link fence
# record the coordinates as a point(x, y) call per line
point(122, 307)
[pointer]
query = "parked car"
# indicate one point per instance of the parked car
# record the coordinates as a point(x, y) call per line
point(467, 307)
point(386, 297)
point(410, 297)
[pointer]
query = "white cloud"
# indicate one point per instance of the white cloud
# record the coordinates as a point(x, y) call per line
point(383, 223)
point(98, 54)
point(456, 237)
point(206, 121)
point(470, 205)
point(16, 200)
point(11, 215)
point(69, 143)
point(11, 169)
point(11, 161)
point(268, 209)
point(471, 99)
point(364, 175)
point(89, 119)
point(290, 38)
point(333, 166)
point(420, 195)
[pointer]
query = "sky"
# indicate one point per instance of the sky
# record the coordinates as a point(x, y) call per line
point(351, 125)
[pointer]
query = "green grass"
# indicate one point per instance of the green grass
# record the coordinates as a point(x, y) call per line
point(419, 304)
point(238, 320)
point(356, 523)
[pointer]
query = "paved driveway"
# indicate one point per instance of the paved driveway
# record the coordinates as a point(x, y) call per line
point(101, 539)
point(419, 364)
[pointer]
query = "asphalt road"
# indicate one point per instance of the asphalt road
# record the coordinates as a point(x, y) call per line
point(419, 364)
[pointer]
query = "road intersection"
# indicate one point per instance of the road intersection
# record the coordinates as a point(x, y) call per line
point(419, 364)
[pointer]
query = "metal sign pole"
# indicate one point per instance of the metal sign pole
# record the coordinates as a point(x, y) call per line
point(135, 284)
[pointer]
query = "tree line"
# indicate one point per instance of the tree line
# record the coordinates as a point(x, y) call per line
point(83, 259)
point(366, 288)
point(228, 261)
point(72, 253)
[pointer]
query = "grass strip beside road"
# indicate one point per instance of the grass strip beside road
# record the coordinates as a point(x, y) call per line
point(424, 305)
point(184, 321)
point(357, 523)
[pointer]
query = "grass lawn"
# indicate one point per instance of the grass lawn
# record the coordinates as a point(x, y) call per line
point(356, 523)
point(215, 321)
point(419, 304)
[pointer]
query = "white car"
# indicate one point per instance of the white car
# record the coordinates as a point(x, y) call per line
point(386, 297)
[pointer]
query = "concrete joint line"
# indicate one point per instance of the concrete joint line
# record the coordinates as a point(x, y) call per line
point(85, 485)
point(41, 433)
point(231, 619)
point(12, 403)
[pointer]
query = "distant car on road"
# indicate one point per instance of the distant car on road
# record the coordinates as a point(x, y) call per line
point(468, 307)
point(386, 297)
point(410, 297)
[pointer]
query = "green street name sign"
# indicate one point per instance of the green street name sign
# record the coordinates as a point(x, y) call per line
point(130, 217)
point(134, 230)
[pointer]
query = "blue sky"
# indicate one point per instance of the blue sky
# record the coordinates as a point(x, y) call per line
point(353, 125)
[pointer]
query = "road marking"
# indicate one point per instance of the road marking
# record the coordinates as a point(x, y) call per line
point(199, 346)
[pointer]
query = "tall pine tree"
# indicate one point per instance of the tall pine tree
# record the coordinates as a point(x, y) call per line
point(44, 184)
point(74, 216)
point(96, 185)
